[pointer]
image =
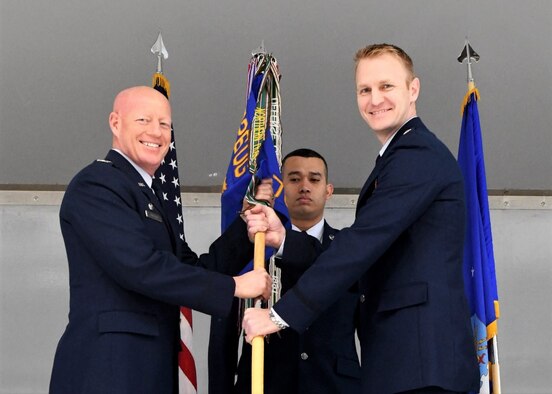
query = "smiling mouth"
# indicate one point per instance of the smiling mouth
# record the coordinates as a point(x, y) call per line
point(379, 112)
point(150, 144)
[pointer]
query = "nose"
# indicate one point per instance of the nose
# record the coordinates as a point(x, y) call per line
point(155, 129)
point(304, 187)
point(376, 97)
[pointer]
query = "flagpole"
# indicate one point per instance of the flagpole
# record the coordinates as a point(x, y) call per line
point(495, 367)
point(158, 79)
point(256, 155)
point(470, 56)
point(187, 375)
point(257, 352)
point(489, 379)
point(257, 344)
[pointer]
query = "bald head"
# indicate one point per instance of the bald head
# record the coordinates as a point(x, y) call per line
point(141, 126)
point(126, 98)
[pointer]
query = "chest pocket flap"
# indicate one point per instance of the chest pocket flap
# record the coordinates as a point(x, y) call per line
point(403, 297)
point(126, 321)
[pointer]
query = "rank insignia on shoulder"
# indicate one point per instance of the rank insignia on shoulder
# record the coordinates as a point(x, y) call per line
point(104, 161)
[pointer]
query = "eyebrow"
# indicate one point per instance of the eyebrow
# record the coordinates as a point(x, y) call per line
point(383, 81)
point(311, 173)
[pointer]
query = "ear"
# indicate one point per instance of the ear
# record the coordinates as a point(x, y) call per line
point(115, 123)
point(329, 190)
point(414, 89)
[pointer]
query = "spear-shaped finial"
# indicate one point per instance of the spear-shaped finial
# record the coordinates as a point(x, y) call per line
point(159, 50)
point(159, 82)
point(470, 56)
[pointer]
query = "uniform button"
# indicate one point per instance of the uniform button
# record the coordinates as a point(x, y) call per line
point(362, 298)
point(304, 356)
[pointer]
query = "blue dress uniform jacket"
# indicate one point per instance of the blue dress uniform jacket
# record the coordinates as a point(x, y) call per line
point(406, 247)
point(126, 284)
point(323, 359)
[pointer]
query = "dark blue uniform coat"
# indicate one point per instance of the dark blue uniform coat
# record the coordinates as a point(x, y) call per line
point(126, 283)
point(323, 359)
point(406, 247)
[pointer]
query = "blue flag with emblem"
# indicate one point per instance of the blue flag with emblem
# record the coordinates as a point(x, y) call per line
point(255, 154)
point(479, 264)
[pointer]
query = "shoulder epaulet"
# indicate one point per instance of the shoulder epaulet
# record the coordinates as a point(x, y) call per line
point(104, 161)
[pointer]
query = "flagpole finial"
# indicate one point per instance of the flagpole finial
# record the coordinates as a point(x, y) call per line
point(260, 49)
point(159, 50)
point(470, 56)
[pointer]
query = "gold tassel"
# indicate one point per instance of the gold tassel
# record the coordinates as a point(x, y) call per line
point(471, 89)
point(160, 80)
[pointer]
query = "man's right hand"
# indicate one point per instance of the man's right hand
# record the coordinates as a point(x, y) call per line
point(261, 218)
point(253, 284)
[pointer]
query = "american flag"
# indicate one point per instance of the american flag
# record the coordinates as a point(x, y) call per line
point(167, 178)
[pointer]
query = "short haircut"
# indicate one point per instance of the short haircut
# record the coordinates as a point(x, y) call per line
point(375, 50)
point(307, 153)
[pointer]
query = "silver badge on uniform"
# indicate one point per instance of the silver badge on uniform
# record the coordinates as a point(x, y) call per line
point(151, 214)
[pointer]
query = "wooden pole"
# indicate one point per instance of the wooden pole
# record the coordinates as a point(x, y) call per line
point(257, 352)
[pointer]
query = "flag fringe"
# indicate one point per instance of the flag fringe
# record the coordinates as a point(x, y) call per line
point(492, 328)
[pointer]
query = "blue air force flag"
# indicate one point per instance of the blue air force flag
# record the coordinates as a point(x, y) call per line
point(479, 265)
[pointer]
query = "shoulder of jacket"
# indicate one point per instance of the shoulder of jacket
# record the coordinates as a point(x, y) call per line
point(99, 169)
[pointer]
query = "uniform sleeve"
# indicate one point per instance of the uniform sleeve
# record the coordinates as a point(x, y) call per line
point(407, 185)
point(229, 254)
point(300, 250)
point(101, 211)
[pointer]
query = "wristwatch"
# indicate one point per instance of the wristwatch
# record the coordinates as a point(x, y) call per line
point(279, 323)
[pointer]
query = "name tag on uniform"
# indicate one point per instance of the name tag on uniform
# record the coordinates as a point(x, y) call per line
point(150, 214)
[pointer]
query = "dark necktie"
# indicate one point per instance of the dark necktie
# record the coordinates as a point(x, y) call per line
point(156, 187)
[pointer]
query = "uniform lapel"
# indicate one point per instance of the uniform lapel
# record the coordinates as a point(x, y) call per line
point(327, 236)
point(154, 203)
point(371, 182)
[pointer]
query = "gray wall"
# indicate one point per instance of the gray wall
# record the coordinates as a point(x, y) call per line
point(34, 286)
point(63, 61)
